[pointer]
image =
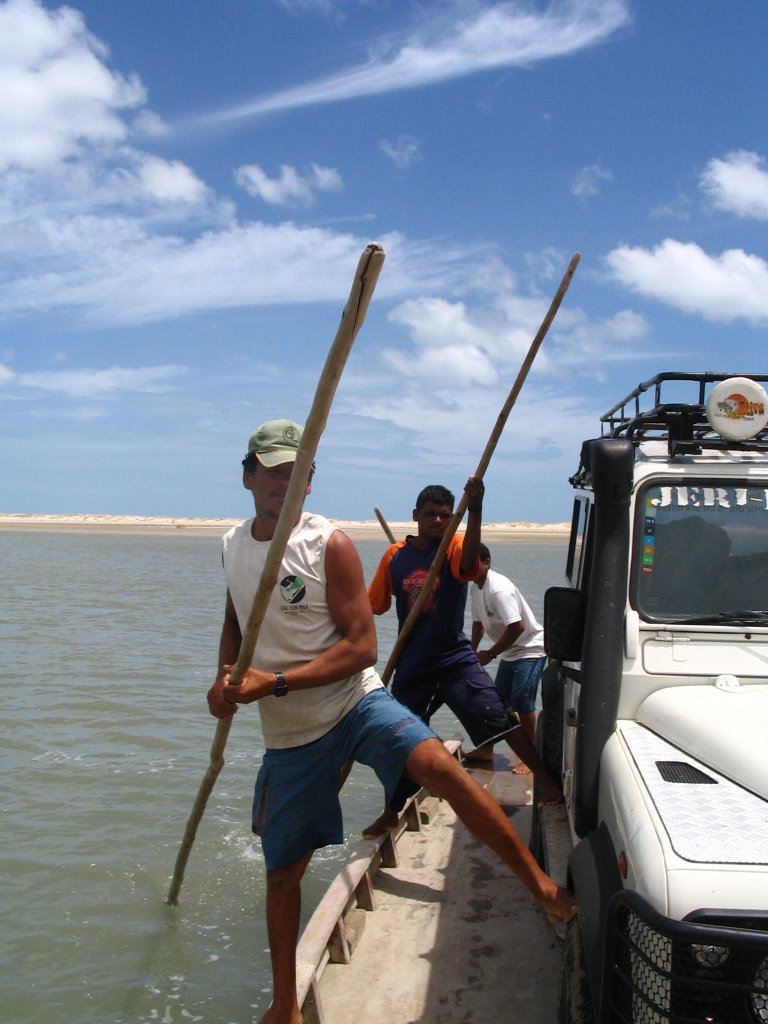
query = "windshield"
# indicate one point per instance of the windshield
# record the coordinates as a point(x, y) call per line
point(701, 553)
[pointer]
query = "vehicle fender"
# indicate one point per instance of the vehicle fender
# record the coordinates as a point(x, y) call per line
point(595, 875)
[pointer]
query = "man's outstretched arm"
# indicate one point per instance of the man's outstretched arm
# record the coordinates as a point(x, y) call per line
point(474, 489)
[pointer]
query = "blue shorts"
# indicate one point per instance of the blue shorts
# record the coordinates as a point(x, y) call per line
point(518, 682)
point(296, 805)
point(466, 689)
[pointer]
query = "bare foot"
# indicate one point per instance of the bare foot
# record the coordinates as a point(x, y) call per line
point(386, 820)
point(521, 769)
point(478, 756)
point(549, 790)
point(561, 907)
point(274, 1016)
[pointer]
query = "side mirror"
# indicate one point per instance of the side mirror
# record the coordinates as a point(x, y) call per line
point(564, 610)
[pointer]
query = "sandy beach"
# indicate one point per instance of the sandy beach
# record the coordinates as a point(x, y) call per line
point(357, 529)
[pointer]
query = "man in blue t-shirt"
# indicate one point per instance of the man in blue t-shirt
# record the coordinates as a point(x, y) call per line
point(438, 664)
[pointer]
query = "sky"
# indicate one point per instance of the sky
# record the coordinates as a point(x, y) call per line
point(186, 188)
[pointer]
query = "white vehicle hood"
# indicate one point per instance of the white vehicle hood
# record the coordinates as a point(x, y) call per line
point(725, 729)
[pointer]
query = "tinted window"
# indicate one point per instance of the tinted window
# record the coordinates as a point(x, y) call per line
point(700, 550)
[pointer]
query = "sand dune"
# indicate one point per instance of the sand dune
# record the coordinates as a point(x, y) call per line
point(357, 529)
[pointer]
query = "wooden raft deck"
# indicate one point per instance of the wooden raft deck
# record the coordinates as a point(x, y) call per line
point(426, 926)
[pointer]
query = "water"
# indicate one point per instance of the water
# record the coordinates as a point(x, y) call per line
point(109, 645)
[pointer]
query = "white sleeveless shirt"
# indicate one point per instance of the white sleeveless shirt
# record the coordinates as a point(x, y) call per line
point(296, 628)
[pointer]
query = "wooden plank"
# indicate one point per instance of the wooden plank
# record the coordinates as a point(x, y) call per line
point(354, 922)
point(412, 817)
point(438, 945)
point(338, 946)
point(333, 904)
point(327, 935)
point(312, 1008)
point(388, 850)
point(345, 936)
point(364, 893)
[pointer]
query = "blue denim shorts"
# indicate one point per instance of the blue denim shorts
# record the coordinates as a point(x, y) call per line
point(518, 681)
point(467, 689)
point(296, 805)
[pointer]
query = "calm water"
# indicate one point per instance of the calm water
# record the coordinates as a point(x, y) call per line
point(109, 645)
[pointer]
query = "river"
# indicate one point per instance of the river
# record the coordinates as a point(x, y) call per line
point(109, 645)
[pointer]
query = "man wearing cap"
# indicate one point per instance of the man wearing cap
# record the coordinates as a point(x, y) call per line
point(322, 704)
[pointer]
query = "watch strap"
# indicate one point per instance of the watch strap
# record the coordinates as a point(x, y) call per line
point(281, 687)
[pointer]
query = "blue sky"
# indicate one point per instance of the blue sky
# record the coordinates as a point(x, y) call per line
point(186, 188)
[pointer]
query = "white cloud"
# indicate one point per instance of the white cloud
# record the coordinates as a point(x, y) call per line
point(117, 269)
point(64, 149)
point(587, 181)
point(150, 124)
point(114, 234)
point(290, 186)
point(430, 321)
point(444, 426)
point(100, 383)
point(728, 287)
point(452, 343)
point(169, 181)
point(738, 184)
point(403, 152)
point(589, 345)
point(501, 35)
point(326, 7)
point(443, 365)
point(64, 96)
point(326, 179)
point(456, 347)
point(448, 347)
point(679, 209)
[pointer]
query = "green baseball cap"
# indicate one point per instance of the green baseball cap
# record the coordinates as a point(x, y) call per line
point(275, 442)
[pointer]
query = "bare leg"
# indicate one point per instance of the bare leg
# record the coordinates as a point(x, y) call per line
point(528, 722)
point(549, 788)
point(432, 766)
point(283, 914)
point(394, 803)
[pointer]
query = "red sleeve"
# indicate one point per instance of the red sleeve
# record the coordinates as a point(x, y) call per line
point(380, 589)
point(453, 554)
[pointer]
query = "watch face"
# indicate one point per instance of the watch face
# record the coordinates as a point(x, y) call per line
point(281, 687)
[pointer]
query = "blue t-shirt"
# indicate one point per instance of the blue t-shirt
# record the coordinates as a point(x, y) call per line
point(437, 640)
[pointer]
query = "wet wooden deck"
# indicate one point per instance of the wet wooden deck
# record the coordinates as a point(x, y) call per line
point(432, 928)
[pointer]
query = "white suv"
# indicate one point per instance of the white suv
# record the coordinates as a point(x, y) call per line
point(656, 709)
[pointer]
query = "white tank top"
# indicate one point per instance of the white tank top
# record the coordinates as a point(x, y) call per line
point(296, 628)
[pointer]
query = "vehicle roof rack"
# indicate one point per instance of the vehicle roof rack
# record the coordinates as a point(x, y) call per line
point(683, 424)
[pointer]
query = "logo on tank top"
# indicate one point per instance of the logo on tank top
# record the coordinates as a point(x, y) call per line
point(293, 589)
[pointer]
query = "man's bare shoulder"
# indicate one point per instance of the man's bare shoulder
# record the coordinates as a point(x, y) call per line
point(340, 551)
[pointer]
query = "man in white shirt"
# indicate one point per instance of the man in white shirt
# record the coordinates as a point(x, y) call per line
point(500, 611)
point(322, 705)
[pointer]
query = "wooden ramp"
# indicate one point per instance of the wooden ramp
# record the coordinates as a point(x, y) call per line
point(427, 925)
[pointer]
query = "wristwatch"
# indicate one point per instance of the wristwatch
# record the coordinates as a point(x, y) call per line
point(281, 687)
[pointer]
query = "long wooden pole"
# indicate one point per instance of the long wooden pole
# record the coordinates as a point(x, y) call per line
point(384, 525)
point(352, 318)
point(490, 447)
